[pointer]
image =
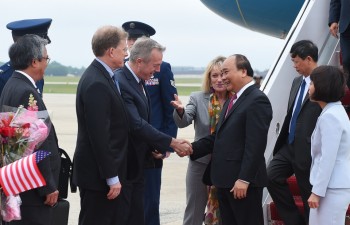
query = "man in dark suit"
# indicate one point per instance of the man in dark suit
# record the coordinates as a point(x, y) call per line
point(145, 59)
point(238, 168)
point(339, 20)
point(29, 58)
point(19, 28)
point(100, 156)
point(161, 89)
point(292, 150)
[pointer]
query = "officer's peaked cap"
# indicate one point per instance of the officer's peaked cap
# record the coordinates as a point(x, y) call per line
point(137, 29)
point(30, 26)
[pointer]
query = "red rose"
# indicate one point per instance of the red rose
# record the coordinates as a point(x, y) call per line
point(8, 131)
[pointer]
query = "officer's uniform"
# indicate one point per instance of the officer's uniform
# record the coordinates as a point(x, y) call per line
point(20, 28)
point(161, 89)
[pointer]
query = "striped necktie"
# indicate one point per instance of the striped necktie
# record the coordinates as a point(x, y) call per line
point(230, 104)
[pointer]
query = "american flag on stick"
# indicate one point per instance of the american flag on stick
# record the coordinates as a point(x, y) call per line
point(23, 174)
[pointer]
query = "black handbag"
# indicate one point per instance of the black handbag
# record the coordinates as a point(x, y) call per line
point(65, 175)
point(60, 213)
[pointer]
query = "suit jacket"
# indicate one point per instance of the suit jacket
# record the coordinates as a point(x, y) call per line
point(102, 130)
point(305, 125)
point(143, 136)
point(196, 111)
point(7, 70)
point(330, 150)
point(239, 142)
point(339, 12)
point(161, 89)
point(15, 93)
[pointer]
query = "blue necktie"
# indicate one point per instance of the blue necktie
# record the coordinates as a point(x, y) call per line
point(116, 82)
point(296, 113)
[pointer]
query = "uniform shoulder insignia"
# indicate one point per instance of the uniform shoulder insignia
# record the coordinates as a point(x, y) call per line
point(172, 82)
point(4, 68)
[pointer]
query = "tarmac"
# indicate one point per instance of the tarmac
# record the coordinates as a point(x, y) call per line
point(172, 201)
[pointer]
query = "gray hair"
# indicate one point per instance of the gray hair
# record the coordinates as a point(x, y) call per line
point(25, 49)
point(107, 37)
point(143, 47)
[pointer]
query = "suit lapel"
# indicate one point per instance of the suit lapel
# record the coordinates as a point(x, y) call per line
point(107, 77)
point(205, 100)
point(238, 102)
point(25, 79)
point(110, 81)
point(294, 93)
point(133, 83)
point(30, 85)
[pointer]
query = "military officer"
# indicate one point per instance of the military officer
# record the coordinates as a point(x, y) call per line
point(19, 28)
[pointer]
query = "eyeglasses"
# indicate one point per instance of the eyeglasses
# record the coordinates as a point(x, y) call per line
point(47, 59)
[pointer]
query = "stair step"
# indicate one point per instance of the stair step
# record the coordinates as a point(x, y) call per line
point(274, 218)
point(273, 210)
point(293, 186)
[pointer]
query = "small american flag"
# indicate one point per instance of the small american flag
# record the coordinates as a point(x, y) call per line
point(23, 174)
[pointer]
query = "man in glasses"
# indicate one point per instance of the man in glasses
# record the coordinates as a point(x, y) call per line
point(20, 28)
point(29, 58)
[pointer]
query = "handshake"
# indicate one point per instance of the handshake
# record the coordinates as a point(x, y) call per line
point(181, 147)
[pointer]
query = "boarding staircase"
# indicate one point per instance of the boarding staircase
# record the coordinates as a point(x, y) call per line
point(310, 24)
point(272, 213)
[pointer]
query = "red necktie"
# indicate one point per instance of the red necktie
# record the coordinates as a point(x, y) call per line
point(230, 104)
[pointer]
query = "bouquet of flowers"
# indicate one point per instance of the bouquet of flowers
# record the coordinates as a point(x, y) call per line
point(21, 133)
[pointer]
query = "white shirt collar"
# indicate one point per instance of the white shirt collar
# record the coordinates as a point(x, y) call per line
point(132, 72)
point(27, 76)
point(244, 87)
point(109, 70)
point(307, 80)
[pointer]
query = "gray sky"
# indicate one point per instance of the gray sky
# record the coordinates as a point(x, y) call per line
point(192, 34)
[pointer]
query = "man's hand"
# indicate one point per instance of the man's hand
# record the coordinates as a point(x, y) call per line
point(51, 199)
point(157, 155)
point(239, 190)
point(181, 147)
point(314, 201)
point(333, 28)
point(114, 191)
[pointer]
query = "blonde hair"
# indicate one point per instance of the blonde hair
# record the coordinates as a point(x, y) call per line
point(216, 62)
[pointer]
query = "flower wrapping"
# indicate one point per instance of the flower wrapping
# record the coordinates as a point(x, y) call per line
point(22, 131)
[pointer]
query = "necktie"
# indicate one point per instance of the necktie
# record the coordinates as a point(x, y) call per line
point(141, 87)
point(230, 104)
point(116, 82)
point(293, 121)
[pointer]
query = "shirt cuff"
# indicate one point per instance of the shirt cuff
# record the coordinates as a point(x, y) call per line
point(244, 181)
point(112, 181)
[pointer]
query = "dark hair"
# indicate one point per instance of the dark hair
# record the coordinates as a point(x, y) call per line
point(329, 83)
point(242, 63)
point(303, 49)
point(25, 49)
